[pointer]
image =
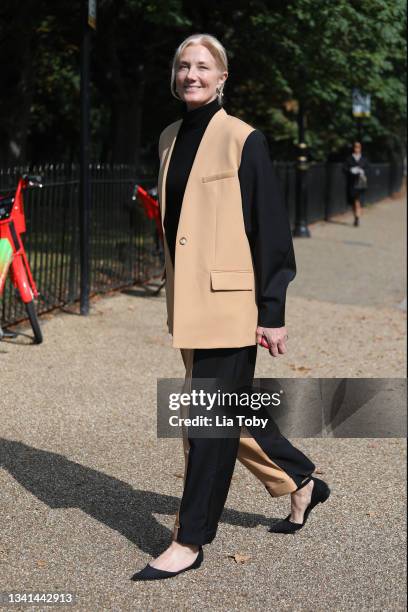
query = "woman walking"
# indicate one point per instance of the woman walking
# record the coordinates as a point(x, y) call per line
point(356, 167)
point(229, 259)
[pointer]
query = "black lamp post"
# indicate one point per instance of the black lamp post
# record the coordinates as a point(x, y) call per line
point(301, 229)
point(88, 19)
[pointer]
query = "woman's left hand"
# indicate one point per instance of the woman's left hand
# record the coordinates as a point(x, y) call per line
point(272, 338)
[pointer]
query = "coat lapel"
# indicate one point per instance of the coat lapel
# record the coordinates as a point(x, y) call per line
point(161, 182)
point(211, 127)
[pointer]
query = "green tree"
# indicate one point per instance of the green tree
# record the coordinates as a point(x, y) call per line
point(282, 53)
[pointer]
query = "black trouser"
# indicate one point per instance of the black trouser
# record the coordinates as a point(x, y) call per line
point(211, 460)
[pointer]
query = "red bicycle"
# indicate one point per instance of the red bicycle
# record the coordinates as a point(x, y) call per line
point(13, 257)
point(148, 200)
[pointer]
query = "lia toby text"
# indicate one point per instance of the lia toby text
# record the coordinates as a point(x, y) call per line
point(217, 421)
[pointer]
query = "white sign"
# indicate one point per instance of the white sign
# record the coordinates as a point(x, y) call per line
point(361, 104)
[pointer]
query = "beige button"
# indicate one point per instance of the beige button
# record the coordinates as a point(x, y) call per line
point(183, 240)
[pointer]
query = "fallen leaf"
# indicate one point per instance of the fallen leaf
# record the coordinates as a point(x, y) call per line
point(239, 557)
point(178, 475)
point(319, 471)
point(41, 563)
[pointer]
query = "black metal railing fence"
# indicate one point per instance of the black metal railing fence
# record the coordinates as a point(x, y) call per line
point(124, 243)
point(326, 187)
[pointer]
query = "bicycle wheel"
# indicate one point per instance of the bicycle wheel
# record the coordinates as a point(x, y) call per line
point(32, 315)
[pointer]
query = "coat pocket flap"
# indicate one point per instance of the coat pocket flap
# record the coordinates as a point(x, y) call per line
point(232, 280)
point(220, 175)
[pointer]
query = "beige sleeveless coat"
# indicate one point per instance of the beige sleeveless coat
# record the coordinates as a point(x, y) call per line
point(211, 293)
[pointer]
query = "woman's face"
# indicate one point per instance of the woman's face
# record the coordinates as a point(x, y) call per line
point(198, 76)
point(357, 148)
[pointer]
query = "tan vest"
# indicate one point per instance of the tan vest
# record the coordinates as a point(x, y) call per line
point(211, 294)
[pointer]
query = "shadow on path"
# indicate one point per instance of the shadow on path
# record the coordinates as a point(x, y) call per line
point(153, 290)
point(336, 222)
point(61, 483)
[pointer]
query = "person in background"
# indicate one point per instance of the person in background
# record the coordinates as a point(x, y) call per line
point(356, 168)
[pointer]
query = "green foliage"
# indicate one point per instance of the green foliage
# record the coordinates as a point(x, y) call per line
point(281, 52)
point(316, 52)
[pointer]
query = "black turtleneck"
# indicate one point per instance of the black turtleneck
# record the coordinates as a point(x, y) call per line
point(185, 148)
point(265, 218)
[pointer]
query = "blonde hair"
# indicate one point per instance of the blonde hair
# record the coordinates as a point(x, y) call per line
point(214, 47)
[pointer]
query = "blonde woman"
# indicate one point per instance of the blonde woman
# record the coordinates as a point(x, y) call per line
point(229, 258)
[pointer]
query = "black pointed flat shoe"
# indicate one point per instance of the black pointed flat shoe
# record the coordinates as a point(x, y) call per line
point(320, 494)
point(152, 573)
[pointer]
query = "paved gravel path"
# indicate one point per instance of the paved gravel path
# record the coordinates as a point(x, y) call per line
point(88, 493)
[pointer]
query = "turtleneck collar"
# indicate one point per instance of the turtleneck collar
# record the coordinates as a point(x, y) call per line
point(200, 116)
